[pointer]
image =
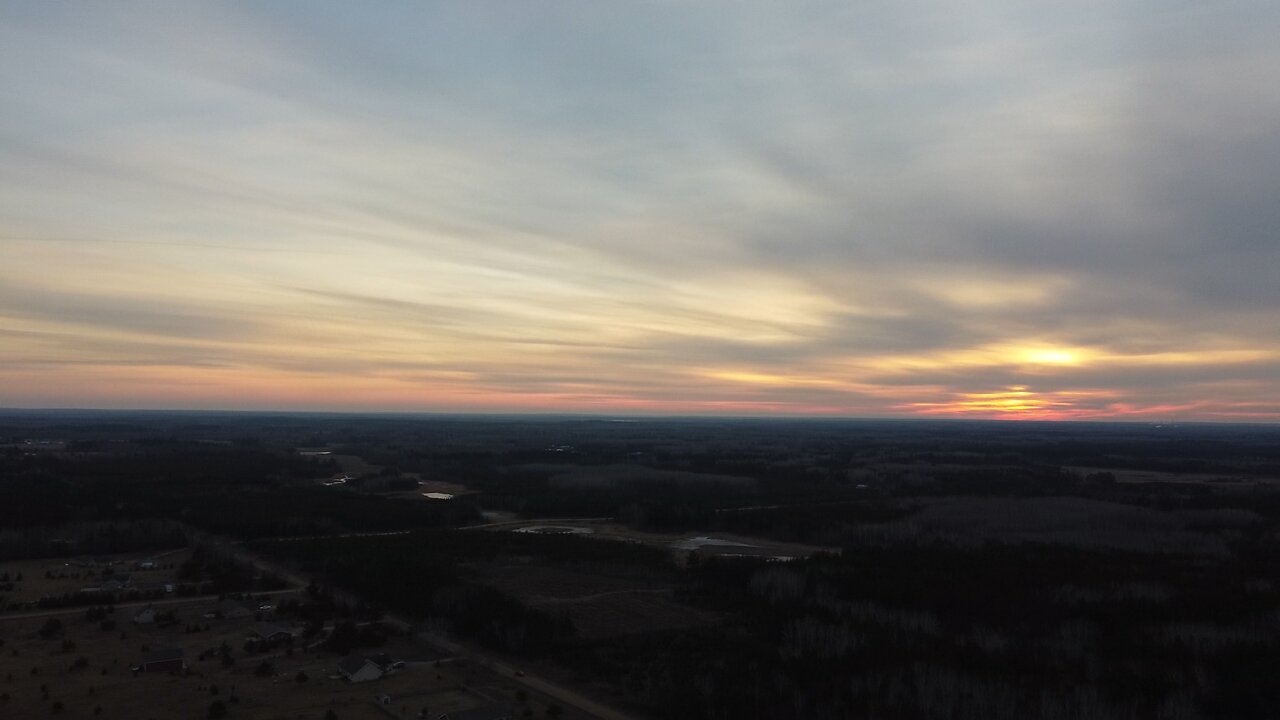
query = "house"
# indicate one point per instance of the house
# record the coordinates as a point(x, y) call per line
point(145, 616)
point(165, 660)
point(359, 669)
point(488, 712)
point(233, 610)
point(269, 633)
point(386, 663)
point(115, 583)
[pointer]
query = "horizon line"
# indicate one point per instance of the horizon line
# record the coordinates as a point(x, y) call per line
point(482, 414)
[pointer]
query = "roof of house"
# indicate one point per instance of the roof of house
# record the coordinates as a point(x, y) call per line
point(266, 630)
point(351, 665)
point(164, 655)
point(488, 712)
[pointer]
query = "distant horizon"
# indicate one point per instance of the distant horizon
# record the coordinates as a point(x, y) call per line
point(621, 417)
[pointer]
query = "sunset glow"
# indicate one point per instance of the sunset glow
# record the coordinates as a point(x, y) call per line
point(740, 209)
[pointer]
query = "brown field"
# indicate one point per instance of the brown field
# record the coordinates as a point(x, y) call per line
point(28, 662)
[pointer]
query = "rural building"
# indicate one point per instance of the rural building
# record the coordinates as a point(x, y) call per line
point(165, 660)
point(488, 712)
point(359, 669)
point(386, 663)
point(145, 616)
point(115, 583)
point(233, 610)
point(269, 633)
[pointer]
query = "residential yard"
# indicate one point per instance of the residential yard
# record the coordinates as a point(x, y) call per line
point(54, 577)
point(74, 670)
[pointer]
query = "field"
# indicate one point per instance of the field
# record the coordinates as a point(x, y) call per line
point(599, 605)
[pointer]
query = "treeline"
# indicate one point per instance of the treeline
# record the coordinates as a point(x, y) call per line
point(538, 491)
point(994, 632)
point(91, 538)
point(427, 575)
point(244, 492)
point(903, 631)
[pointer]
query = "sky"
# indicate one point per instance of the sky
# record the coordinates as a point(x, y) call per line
point(1030, 210)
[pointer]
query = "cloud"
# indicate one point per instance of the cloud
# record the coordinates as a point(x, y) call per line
point(875, 209)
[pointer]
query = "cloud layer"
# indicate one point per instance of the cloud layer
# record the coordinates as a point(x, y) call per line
point(1064, 210)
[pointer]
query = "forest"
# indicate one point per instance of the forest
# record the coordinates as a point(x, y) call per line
point(958, 570)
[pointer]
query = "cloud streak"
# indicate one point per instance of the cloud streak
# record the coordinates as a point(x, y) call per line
point(882, 209)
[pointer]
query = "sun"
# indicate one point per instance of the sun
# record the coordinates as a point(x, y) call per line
point(1052, 356)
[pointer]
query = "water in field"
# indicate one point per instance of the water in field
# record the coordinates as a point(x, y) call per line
point(696, 542)
point(556, 530)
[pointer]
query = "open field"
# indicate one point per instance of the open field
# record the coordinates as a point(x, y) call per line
point(599, 605)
